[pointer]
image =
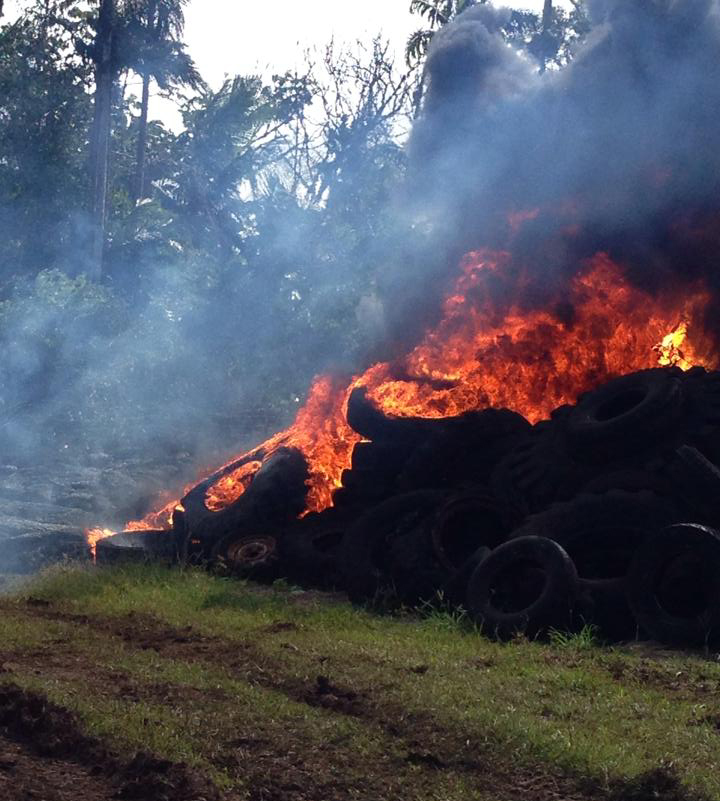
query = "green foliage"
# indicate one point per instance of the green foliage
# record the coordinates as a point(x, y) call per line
point(583, 640)
point(268, 226)
point(552, 45)
point(44, 114)
point(437, 13)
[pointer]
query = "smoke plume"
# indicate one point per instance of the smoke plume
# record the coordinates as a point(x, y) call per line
point(618, 152)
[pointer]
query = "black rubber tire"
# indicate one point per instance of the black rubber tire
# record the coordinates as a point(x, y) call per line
point(468, 521)
point(538, 470)
point(602, 532)
point(255, 556)
point(603, 603)
point(525, 586)
point(694, 481)
point(156, 545)
point(701, 389)
point(364, 559)
point(628, 479)
point(379, 457)
point(464, 448)
point(628, 413)
point(454, 590)
point(311, 547)
point(413, 569)
point(674, 585)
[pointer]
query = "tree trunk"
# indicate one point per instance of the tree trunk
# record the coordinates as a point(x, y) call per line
point(139, 188)
point(100, 137)
point(546, 38)
point(547, 15)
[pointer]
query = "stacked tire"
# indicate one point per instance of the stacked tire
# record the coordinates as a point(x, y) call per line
point(582, 521)
point(607, 514)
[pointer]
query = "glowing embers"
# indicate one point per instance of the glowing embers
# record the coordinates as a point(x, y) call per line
point(505, 353)
point(230, 487)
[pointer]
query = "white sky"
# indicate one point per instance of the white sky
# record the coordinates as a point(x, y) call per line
point(230, 37)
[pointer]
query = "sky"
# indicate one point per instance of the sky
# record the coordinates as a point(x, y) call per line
point(231, 37)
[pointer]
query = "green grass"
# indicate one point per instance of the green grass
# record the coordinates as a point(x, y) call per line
point(567, 707)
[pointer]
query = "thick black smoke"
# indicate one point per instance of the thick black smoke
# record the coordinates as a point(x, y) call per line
point(620, 151)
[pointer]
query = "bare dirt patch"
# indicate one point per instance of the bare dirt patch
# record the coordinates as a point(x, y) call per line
point(47, 753)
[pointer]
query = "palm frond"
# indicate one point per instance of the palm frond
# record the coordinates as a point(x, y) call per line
point(433, 11)
point(417, 46)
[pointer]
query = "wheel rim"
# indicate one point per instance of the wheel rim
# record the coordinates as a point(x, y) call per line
point(250, 553)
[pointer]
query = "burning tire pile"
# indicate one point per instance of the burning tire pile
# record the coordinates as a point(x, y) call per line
point(604, 514)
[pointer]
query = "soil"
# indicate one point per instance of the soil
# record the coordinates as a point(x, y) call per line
point(45, 756)
point(278, 770)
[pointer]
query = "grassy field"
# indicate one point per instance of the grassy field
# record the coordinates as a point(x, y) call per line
point(278, 693)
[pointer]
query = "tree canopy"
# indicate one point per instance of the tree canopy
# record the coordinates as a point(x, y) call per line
point(155, 282)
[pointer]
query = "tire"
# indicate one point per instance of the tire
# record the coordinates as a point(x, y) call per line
point(604, 603)
point(601, 533)
point(255, 556)
point(416, 573)
point(454, 590)
point(137, 546)
point(695, 481)
point(701, 389)
point(628, 479)
point(525, 586)
point(378, 457)
point(464, 448)
point(674, 585)
point(631, 412)
point(538, 471)
point(364, 559)
point(311, 548)
point(468, 521)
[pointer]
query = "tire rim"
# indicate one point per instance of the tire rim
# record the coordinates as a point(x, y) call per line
point(250, 553)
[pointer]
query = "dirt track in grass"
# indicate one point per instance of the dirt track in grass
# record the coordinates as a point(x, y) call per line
point(270, 714)
point(280, 768)
point(45, 756)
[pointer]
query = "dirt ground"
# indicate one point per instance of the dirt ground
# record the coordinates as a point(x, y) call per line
point(45, 754)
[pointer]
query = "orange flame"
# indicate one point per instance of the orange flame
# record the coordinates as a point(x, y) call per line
point(534, 361)
point(225, 490)
point(484, 353)
point(93, 536)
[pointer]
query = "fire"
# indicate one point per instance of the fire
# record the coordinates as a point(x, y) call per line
point(484, 353)
point(229, 487)
point(533, 361)
point(673, 350)
point(320, 431)
point(94, 535)
point(159, 519)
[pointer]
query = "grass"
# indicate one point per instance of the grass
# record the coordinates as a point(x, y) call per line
point(424, 700)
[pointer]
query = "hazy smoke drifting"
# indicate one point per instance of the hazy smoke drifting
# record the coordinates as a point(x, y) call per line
point(623, 145)
point(619, 152)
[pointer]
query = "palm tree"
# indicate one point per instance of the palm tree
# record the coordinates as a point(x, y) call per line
point(129, 34)
point(437, 13)
point(103, 54)
point(155, 51)
point(546, 44)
